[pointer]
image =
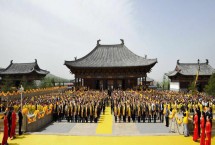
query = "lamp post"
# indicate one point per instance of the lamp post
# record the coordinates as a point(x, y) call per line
point(21, 90)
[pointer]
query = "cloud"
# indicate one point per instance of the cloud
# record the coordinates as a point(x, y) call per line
point(57, 30)
point(54, 31)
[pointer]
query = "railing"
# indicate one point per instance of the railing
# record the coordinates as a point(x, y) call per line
point(16, 93)
point(36, 121)
point(32, 122)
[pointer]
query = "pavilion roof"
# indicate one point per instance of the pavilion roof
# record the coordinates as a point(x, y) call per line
point(23, 68)
point(148, 79)
point(1, 69)
point(117, 55)
point(192, 68)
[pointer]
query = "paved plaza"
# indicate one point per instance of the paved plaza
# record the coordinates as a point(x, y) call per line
point(115, 129)
point(118, 129)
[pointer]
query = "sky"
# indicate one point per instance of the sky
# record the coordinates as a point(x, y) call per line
point(53, 31)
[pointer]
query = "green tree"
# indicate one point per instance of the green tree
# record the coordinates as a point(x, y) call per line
point(166, 83)
point(192, 87)
point(28, 84)
point(158, 85)
point(46, 82)
point(53, 82)
point(24, 83)
point(42, 84)
point(7, 84)
point(210, 88)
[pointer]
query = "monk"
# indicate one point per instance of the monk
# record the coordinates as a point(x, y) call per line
point(208, 132)
point(115, 112)
point(195, 131)
point(13, 127)
point(5, 135)
point(185, 122)
point(202, 126)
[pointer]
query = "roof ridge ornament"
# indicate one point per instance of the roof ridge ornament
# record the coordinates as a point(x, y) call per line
point(122, 40)
point(11, 61)
point(35, 60)
point(199, 65)
point(207, 62)
point(98, 42)
point(178, 61)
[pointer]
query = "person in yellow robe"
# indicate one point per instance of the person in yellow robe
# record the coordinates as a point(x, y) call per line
point(119, 112)
point(138, 113)
point(185, 123)
point(95, 114)
point(115, 112)
point(124, 112)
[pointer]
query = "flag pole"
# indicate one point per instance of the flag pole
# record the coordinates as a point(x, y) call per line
point(197, 74)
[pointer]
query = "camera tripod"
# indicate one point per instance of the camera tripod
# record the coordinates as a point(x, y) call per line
point(174, 126)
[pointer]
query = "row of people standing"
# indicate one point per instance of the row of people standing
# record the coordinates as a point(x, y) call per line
point(79, 111)
point(10, 118)
point(202, 126)
point(140, 112)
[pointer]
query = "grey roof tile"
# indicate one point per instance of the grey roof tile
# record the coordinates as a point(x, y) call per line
point(111, 56)
point(148, 79)
point(23, 68)
point(1, 69)
point(171, 73)
point(192, 68)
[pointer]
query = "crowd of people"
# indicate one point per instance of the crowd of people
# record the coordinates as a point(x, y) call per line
point(81, 107)
point(10, 122)
point(202, 121)
point(126, 106)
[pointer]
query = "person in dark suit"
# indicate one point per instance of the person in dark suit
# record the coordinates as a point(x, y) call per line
point(161, 107)
point(96, 114)
point(143, 112)
point(20, 121)
point(103, 107)
point(55, 112)
point(167, 116)
point(109, 92)
point(209, 114)
point(133, 111)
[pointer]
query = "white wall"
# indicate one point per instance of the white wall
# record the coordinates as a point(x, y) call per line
point(174, 86)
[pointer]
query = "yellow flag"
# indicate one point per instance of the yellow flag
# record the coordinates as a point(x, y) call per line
point(197, 76)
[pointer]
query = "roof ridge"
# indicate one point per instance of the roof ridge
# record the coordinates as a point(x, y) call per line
point(85, 55)
point(110, 44)
point(25, 63)
point(192, 63)
point(23, 68)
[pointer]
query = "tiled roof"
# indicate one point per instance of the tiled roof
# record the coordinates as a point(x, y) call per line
point(147, 79)
point(192, 68)
point(117, 55)
point(23, 68)
point(1, 69)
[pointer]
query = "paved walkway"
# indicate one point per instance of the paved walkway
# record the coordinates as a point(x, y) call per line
point(63, 133)
point(105, 122)
point(104, 140)
point(108, 127)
